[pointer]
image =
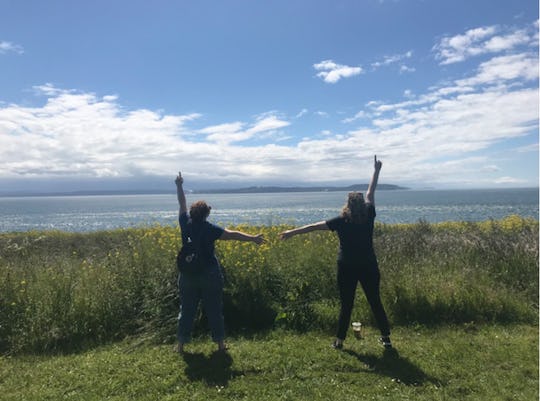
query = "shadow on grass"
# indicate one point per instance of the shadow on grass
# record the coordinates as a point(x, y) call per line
point(391, 364)
point(214, 370)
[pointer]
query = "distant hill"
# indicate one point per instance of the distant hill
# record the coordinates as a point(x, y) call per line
point(276, 189)
point(247, 190)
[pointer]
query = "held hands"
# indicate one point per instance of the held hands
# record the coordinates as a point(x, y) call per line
point(258, 239)
point(179, 179)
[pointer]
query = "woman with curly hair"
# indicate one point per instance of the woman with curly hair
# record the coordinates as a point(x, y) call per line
point(356, 260)
point(207, 283)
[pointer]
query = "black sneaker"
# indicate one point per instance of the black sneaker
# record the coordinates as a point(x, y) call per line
point(385, 341)
point(337, 344)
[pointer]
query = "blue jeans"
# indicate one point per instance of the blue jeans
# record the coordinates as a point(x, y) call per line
point(207, 287)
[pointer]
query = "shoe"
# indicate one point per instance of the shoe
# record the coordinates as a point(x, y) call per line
point(385, 341)
point(337, 344)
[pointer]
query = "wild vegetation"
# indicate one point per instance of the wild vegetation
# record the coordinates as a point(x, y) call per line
point(64, 291)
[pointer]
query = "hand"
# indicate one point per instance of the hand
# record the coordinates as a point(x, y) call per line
point(258, 239)
point(179, 179)
point(377, 164)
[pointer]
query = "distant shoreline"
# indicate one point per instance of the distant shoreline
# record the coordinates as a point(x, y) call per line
point(246, 190)
point(277, 189)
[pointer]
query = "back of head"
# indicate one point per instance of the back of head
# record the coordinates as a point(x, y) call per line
point(199, 211)
point(354, 210)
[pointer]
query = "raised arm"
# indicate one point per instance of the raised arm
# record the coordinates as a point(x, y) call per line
point(321, 225)
point(180, 193)
point(241, 236)
point(370, 196)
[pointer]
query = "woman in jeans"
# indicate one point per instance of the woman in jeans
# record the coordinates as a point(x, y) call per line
point(356, 260)
point(206, 285)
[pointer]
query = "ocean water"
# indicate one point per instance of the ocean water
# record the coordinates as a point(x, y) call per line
point(103, 212)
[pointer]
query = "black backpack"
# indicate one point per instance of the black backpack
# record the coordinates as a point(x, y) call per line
point(190, 259)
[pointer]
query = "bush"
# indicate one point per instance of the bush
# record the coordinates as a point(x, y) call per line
point(63, 291)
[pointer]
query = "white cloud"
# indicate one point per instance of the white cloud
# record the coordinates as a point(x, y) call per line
point(408, 93)
point(331, 72)
point(6, 47)
point(505, 68)
point(48, 89)
point(83, 135)
point(403, 69)
point(80, 134)
point(483, 40)
point(228, 133)
point(267, 123)
point(393, 59)
point(491, 168)
point(497, 71)
point(361, 114)
point(509, 180)
point(458, 48)
point(497, 103)
point(439, 136)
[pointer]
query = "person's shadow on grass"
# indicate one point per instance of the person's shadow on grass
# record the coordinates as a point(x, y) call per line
point(214, 370)
point(391, 364)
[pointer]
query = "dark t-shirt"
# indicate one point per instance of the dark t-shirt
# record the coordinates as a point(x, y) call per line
point(355, 239)
point(210, 234)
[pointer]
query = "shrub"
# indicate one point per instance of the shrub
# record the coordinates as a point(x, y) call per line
point(62, 291)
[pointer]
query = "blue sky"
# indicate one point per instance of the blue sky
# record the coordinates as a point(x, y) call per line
point(123, 94)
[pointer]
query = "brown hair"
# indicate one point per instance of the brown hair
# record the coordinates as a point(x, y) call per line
point(354, 210)
point(199, 211)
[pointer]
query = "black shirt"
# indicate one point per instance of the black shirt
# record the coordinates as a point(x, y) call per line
point(355, 239)
point(211, 233)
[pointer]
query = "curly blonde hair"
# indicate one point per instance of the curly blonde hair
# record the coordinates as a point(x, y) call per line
point(354, 210)
point(199, 211)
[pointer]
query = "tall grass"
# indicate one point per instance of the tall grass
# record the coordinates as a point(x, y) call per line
point(62, 291)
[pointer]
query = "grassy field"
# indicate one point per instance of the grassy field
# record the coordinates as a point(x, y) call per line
point(93, 316)
point(465, 362)
point(66, 291)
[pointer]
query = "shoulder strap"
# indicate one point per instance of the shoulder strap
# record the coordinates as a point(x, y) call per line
point(196, 241)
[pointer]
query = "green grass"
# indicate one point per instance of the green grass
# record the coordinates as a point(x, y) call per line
point(66, 291)
point(93, 316)
point(457, 362)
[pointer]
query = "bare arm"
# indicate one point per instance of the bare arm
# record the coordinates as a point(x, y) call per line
point(180, 193)
point(241, 236)
point(370, 196)
point(321, 225)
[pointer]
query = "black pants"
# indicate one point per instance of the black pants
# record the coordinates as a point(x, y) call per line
point(369, 277)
